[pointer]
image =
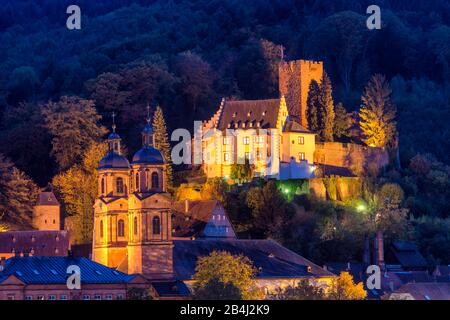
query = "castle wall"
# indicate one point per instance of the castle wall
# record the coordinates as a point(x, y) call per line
point(357, 158)
point(46, 217)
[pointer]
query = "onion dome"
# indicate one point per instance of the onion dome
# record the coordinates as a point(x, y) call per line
point(114, 159)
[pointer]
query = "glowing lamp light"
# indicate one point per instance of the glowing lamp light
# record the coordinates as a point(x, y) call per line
point(361, 207)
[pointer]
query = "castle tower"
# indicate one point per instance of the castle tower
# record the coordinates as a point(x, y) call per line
point(150, 246)
point(46, 213)
point(294, 80)
point(111, 207)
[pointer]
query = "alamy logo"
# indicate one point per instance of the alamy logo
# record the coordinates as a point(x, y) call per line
point(374, 20)
point(74, 280)
point(74, 20)
point(374, 280)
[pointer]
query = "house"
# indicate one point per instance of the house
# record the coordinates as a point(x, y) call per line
point(46, 212)
point(422, 291)
point(201, 219)
point(45, 278)
point(277, 266)
point(34, 243)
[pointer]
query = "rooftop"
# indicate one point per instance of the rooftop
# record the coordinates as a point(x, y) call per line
point(272, 259)
point(52, 270)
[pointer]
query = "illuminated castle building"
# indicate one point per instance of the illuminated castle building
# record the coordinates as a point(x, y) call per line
point(271, 134)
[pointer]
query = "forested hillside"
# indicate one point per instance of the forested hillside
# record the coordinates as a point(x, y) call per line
point(185, 55)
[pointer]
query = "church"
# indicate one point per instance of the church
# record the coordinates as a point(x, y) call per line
point(134, 232)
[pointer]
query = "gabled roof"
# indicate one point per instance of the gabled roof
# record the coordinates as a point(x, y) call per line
point(294, 126)
point(52, 270)
point(193, 222)
point(408, 255)
point(47, 198)
point(264, 112)
point(272, 259)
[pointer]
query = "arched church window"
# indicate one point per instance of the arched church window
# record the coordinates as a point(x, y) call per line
point(137, 181)
point(135, 226)
point(156, 225)
point(119, 185)
point(101, 228)
point(147, 180)
point(121, 228)
point(155, 180)
point(103, 186)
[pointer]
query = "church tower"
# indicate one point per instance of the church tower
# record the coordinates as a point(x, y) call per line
point(111, 207)
point(150, 243)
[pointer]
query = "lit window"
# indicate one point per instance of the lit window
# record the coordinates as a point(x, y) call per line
point(301, 140)
point(246, 140)
point(259, 139)
point(247, 156)
point(226, 156)
point(301, 156)
point(226, 140)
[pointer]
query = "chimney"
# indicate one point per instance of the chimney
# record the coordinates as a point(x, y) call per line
point(186, 205)
point(379, 250)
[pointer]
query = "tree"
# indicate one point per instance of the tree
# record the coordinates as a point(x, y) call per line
point(343, 288)
point(341, 124)
point(312, 107)
point(214, 189)
point(377, 113)
point(303, 291)
point(269, 209)
point(162, 142)
point(327, 109)
point(78, 188)
point(18, 195)
point(223, 268)
point(215, 289)
point(73, 123)
point(242, 172)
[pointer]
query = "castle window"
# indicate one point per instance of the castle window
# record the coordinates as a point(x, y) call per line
point(156, 225)
point(155, 180)
point(103, 186)
point(135, 226)
point(119, 185)
point(246, 140)
point(301, 156)
point(226, 140)
point(301, 140)
point(101, 228)
point(226, 156)
point(137, 181)
point(121, 228)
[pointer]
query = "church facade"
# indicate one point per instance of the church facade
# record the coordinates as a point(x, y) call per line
point(132, 221)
